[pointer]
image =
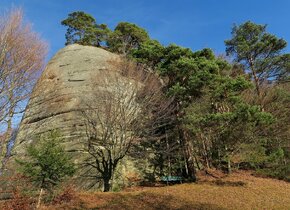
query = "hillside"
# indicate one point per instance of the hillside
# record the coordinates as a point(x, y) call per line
point(237, 191)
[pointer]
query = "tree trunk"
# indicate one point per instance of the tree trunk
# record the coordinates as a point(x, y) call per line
point(168, 157)
point(257, 85)
point(107, 185)
point(197, 163)
point(5, 142)
point(39, 199)
point(205, 151)
point(229, 166)
point(189, 158)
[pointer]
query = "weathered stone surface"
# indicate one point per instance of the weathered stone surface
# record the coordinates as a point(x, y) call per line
point(60, 94)
point(60, 90)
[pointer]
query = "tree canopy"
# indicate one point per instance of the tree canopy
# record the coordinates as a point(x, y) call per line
point(47, 164)
point(83, 29)
point(260, 52)
point(126, 37)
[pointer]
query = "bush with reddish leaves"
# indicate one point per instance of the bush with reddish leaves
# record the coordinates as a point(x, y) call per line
point(19, 201)
point(67, 194)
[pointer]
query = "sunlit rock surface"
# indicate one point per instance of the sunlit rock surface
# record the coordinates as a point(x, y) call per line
point(59, 96)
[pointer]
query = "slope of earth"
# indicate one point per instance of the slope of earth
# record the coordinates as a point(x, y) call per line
point(237, 191)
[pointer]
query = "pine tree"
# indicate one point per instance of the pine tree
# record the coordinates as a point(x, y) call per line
point(47, 164)
point(83, 29)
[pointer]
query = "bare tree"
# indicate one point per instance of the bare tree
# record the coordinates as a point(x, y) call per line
point(118, 116)
point(22, 56)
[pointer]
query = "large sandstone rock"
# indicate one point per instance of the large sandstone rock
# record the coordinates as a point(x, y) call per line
point(60, 94)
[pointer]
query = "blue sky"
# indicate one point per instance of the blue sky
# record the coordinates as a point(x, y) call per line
point(190, 23)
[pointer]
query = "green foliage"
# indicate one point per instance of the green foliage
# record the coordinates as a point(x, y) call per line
point(189, 72)
point(259, 51)
point(277, 165)
point(225, 86)
point(47, 164)
point(276, 135)
point(222, 122)
point(150, 53)
point(215, 102)
point(186, 74)
point(127, 37)
point(277, 102)
point(252, 154)
point(216, 108)
point(83, 29)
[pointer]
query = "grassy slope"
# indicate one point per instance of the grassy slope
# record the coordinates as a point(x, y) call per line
point(238, 191)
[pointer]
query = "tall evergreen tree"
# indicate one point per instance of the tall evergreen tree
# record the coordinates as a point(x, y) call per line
point(83, 29)
point(260, 52)
point(126, 37)
point(185, 73)
point(222, 122)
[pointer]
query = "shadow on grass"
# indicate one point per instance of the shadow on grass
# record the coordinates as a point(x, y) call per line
point(229, 183)
point(152, 201)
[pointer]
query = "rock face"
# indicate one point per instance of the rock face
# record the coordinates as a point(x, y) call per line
point(59, 96)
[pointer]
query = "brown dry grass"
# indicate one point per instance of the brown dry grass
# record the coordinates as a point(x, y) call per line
point(237, 191)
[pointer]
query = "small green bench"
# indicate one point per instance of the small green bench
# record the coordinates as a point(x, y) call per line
point(171, 179)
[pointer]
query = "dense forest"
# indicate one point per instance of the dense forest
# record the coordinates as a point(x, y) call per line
point(230, 111)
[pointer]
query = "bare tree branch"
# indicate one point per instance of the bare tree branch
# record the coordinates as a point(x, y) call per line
point(22, 55)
